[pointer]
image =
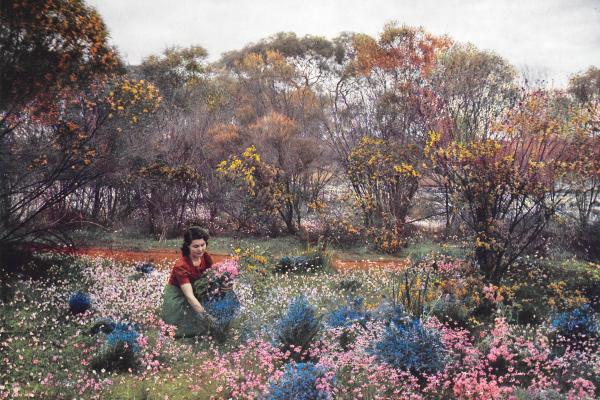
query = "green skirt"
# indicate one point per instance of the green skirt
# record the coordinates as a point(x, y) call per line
point(177, 311)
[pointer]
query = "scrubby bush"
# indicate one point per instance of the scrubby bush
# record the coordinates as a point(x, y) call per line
point(299, 382)
point(121, 350)
point(309, 262)
point(299, 326)
point(104, 325)
point(345, 317)
point(451, 310)
point(391, 313)
point(79, 302)
point(224, 308)
point(349, 285)
point(588, 241)
point(412, 347)
point(125, 334)
point(145, 268)
point(108, 326)
point(348, 314)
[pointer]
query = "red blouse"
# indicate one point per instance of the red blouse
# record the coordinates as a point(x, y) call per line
point(185, 272)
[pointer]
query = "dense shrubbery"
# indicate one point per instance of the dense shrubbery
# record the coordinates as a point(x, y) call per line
point(300, 381)
point(580, 323)
point(349, 314)
point(310, 262)
point(411, 346)
point(298, 327)
point(79, 302)
point(224, 308)
point(145, 268)
point(121, 350)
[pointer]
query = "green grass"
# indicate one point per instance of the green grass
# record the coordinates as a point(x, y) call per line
point(424, 247)
point(162, 386)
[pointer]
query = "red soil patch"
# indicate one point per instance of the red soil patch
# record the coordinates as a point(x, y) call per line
point(169, 256)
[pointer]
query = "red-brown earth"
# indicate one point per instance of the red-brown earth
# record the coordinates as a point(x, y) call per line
point(167, 256)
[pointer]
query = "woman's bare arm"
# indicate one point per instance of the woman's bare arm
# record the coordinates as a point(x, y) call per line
point(186, 288)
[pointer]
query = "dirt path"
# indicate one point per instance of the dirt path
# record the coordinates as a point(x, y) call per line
point(169, 256)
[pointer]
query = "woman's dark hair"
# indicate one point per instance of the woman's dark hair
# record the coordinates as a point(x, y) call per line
point(191, 234)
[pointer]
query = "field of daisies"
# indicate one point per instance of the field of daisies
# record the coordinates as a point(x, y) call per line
point(293, 328)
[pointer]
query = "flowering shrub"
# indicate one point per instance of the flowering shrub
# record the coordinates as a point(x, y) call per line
point(121, 350)
point(104, 325)
point(299, 326)
point(145, 268)
point(217, 280)
point(79, 302)
point(228, 270)
point(123, 334)
point(349, 314)
point(253, 259)
point(309, 262)
point(301, 381)
point(391, 314)
point(412, 347)
point(580, 322)
point(224, 308)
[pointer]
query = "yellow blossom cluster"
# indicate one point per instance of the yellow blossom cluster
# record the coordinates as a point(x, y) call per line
point(134, 98)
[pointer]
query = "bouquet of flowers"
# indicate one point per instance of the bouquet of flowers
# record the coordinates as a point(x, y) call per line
point(215, 292)
point(217, 280)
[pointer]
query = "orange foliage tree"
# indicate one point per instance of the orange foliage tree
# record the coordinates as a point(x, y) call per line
point(54, 71)
point(384, 92)
point(279, 111)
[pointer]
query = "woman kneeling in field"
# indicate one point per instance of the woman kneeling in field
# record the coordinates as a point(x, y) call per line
point(181, 303)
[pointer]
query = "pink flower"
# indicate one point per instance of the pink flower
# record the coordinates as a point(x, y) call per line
point(230, 268)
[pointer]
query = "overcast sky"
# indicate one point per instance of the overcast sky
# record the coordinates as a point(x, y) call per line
point(552, 39)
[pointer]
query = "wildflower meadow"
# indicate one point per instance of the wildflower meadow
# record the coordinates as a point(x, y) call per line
point(90, 328)
point(394, 211)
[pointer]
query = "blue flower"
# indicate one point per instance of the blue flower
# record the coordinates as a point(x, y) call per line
point(224, 308)
point(145, 268)
point(79, 302)
point(300, 324)
point(123, 334)
point(410, 346)
point(578, 322)
point(299, 382)
point(348, 314)
point(391, 314)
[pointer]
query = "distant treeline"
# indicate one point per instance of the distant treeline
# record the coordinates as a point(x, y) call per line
point(291, 134)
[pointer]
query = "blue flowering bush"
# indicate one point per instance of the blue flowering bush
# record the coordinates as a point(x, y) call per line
point(347, 315)
point(79, 302)
point(411, 346)
point(121, 350)
point(108, 325)
point(299, 325)
point(580, 322)
point(145, 268)
point(104, 325)
point(299, 382)
point(391, 313)
point(224, 308)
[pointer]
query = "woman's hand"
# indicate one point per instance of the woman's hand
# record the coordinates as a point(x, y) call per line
point(196, 306)
point(188, 293)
